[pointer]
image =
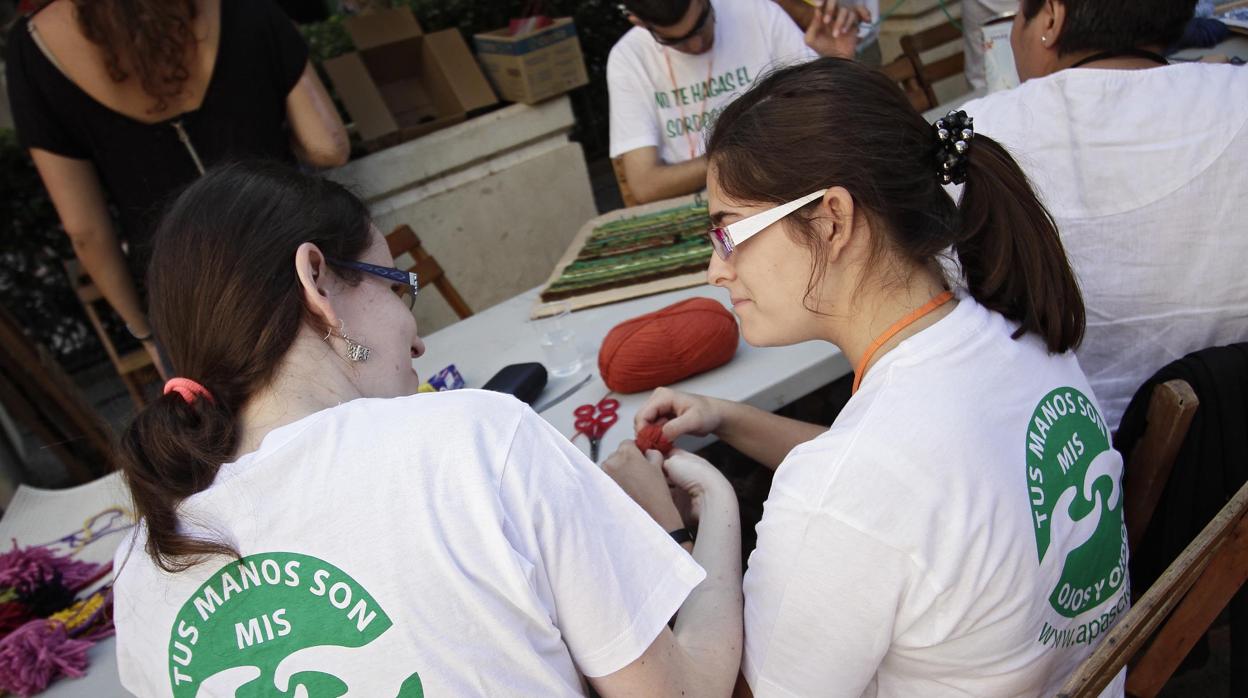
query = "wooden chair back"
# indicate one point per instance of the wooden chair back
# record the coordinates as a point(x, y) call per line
point(36, 392)
point(1170, 411)
point(626, 192)
point(913, 46)
point(404, 240)
point(901, 71)
point(1163, 625)
point(135, 367)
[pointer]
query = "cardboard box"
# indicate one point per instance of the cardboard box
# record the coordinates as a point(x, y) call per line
point(535, 66)
point(401, 83)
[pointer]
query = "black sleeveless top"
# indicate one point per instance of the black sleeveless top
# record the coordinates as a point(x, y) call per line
point(260, 58)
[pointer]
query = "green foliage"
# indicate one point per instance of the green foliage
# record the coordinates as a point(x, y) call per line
point(33, 284)
point(599, 25)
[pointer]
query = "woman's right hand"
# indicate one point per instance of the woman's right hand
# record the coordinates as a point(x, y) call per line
point(685, 413)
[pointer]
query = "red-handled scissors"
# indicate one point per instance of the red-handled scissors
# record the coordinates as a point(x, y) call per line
point(594, 420)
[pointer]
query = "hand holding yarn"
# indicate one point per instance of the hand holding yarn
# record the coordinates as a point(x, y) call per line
point(651, 438)
point(641, 477)
point(676, 413)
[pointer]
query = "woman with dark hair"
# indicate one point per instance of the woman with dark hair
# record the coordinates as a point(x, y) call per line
point(958, 530)
point(125, 101)
point(308, 520)
point(1141, 164)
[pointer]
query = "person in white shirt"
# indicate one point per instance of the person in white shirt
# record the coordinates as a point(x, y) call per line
point(309, 525)
point(959, 528)
point(684, 60)
point(1141, 164)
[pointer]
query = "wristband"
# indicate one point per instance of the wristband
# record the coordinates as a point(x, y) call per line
point(681, 536)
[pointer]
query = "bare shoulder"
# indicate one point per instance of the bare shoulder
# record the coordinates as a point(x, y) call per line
point(58, 18)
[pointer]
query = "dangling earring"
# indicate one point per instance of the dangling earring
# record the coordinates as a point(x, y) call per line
point(355, 351)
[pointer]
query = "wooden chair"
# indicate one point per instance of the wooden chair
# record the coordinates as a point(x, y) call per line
point(626, 192)
point(902, 71)
point(1170, 411)
point(135, 367)
point(403, 240)
point(913, 46)
point(1161, 628)
point(1157, 633)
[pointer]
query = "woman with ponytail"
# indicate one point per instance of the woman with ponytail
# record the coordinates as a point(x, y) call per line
point(309, 525)
point(958, 529)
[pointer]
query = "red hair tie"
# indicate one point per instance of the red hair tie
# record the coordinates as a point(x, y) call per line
point(188, 389)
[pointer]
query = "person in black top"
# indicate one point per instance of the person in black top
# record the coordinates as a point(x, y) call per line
point(127, 102)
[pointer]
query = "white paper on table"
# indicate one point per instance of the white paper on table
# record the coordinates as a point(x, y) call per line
point(89, 521)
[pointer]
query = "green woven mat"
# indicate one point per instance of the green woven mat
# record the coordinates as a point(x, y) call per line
point(632, 250)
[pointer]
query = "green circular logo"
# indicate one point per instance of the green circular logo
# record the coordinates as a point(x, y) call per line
point(285, 624)
point(1074, 482)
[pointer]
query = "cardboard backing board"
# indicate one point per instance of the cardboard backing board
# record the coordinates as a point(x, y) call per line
point(623, 293)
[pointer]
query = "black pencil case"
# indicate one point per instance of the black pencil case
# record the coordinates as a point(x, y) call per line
point(525, 381)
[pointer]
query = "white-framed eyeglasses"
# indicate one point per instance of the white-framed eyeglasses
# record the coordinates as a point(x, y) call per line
point(726, 238)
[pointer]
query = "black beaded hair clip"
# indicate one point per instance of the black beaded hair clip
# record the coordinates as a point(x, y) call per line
point(954, 133)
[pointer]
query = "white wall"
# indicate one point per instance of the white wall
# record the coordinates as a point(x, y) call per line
point(496, 200)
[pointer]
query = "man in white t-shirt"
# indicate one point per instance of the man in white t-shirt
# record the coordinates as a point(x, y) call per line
point(1141, 165)
point(680, 65)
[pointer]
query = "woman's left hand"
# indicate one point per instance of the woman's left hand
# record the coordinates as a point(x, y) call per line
point(641, 477)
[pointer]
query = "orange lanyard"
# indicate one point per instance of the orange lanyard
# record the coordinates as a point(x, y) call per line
point(693, 144)
point(898, 326)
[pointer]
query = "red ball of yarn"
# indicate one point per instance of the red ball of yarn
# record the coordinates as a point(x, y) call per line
point(651, 438)
point(667, 345)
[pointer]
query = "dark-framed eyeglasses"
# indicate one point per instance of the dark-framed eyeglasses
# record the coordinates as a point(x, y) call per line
point(406, 280)
point(707, 12)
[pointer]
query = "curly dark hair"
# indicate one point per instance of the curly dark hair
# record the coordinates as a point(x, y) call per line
point(146, 38)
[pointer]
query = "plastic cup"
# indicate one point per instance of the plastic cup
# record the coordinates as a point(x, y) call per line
point(557, 338)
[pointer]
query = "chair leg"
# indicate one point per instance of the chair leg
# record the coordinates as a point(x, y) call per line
point(456, 301)
point(1226, 573)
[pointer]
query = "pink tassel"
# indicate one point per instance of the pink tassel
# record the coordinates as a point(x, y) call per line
point(26, 569)
point(37, 653)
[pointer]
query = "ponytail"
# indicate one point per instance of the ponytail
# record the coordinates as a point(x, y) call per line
point(1010, 251)
point(226, 304)
point(172, 450)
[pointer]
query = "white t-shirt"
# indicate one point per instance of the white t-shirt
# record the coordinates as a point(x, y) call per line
point(453, 543)
point(957, 531)
point(672, 105)
point(1143, 171)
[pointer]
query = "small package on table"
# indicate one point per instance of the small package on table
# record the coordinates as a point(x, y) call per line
point(534, 66)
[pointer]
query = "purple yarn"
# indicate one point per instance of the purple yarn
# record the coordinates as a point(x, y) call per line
point(35, 654)
point(26, 569)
